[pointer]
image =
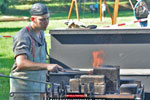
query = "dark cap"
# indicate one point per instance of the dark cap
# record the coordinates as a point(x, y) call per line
point(38, 9)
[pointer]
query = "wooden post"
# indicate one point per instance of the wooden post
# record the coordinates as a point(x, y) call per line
point(131, 4)
point(100, 10)
point(70, 11)
point(77, 13)
point(71, 7)
point(115, 12)
point(107, 9)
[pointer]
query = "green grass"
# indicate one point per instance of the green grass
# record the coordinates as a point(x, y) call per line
point(58, 17)
point(6, 61)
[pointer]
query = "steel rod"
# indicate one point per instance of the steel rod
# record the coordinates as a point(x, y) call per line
point(6, 76)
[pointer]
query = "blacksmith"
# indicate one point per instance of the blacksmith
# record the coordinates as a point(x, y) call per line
point(29, 49)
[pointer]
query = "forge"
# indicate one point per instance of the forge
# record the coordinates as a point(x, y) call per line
point(84, 50)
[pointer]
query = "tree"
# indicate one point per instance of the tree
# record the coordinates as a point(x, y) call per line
point(3, 5)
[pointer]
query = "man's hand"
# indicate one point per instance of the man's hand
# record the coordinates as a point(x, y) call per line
point(55, 68)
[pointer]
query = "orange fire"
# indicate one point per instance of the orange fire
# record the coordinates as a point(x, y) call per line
point(98, 58)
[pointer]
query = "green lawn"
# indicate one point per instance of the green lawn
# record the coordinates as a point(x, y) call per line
point(56, 21)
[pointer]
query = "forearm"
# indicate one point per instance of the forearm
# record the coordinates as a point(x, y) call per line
point(24, 64)
point(29, 65)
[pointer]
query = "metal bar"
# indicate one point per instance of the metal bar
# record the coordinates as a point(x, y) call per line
point(140, 72)
point(1, 75)
point(106, 96)
point(116, 96)
point(27, 92)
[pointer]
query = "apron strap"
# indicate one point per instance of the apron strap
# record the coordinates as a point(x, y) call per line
point(33, 46)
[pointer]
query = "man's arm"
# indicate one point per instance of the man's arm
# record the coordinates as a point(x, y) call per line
point(24, 64)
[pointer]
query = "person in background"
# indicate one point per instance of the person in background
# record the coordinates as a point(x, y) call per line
point(141, 11)
point(92, 8)
point(29, 49)
point(103, 10)
point(96, 7)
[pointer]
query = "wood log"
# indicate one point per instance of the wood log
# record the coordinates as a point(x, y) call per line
point(14, 19)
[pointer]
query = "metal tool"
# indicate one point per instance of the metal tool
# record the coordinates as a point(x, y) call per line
point(1, 75)
point(91, 89)
point(85, 88)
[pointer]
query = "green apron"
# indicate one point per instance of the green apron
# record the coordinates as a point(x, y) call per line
point(26, 90)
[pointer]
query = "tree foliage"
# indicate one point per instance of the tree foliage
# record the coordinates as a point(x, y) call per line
point(3, 5)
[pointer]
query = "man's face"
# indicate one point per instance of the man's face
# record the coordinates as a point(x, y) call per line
point(41, 22)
